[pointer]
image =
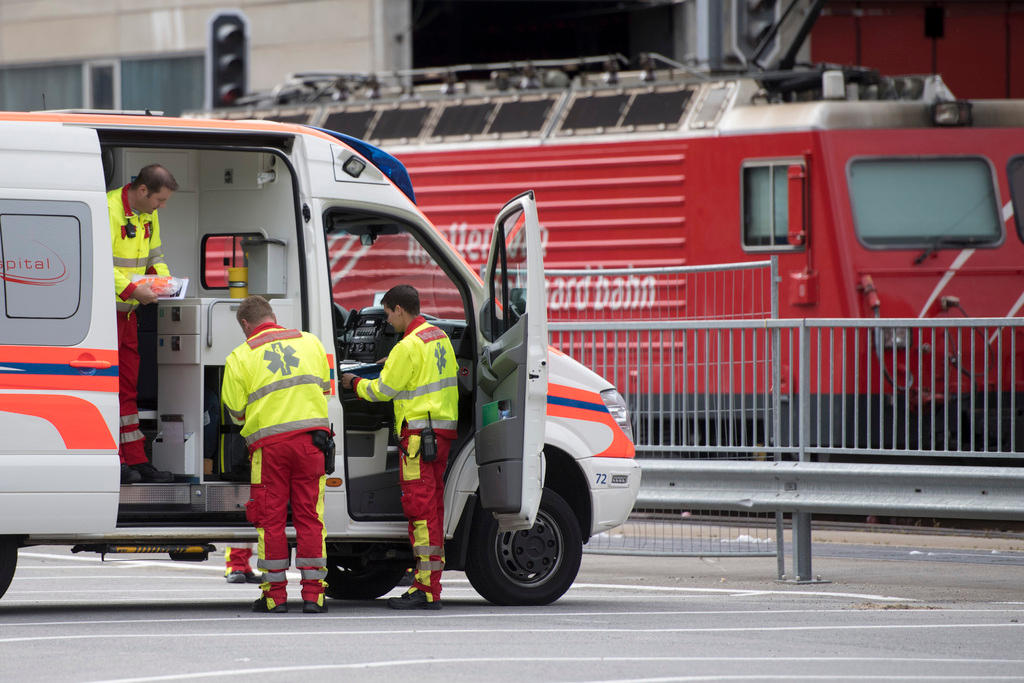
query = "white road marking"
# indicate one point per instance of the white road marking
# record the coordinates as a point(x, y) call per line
point(93, 577)
point(392, 663)
point(518, 631)
point(739, 592)
point(486, 615)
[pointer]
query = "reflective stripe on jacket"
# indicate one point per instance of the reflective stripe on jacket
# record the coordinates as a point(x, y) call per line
point(276, 384)
point(132, 255)
point(420, 376)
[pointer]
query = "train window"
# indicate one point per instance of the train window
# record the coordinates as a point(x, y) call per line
point(1015, 174)
point(907, 202)
point(765, 205)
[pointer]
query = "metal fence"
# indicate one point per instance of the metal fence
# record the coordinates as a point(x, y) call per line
point(832, 401)
point(651, 362)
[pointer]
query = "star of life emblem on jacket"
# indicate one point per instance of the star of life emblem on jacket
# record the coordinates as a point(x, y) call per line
point(440, 353)
point(280, 359)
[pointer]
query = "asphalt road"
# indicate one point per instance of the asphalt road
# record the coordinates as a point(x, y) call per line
point(894, 609)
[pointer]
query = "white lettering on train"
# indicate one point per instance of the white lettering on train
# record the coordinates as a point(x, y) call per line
point(580, 293)
point(601, 293)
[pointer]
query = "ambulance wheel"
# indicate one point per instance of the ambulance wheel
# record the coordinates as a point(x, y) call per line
point(8, 561)
point(531, 567)
point(363, 582)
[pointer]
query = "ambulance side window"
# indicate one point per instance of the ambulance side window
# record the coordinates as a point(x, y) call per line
point(43, 271)
point(369, 254)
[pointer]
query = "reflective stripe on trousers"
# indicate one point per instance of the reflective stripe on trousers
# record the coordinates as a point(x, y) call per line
point(291, 470)
point(423, 503)
point(132, 447)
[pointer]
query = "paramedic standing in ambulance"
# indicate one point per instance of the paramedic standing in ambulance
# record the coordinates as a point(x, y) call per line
point(420, 377)
point(275, 386)
point(135, 234)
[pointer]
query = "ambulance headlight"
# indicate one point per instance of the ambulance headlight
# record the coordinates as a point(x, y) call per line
point(617, 407)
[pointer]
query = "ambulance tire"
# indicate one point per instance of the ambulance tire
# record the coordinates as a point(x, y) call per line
point(362, 583)
point(531, 567)
point(8, 561)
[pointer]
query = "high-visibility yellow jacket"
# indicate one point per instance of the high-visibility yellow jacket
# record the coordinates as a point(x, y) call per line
point(132, 255)
point(420, 376)
point(276, 384)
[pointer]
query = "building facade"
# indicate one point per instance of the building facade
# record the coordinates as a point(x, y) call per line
point(149, 54)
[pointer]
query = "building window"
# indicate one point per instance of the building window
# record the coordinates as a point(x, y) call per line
point(102, 85)
point(168, 85)
point(31, 88)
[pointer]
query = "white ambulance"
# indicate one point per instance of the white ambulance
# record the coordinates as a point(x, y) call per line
point(544, 457)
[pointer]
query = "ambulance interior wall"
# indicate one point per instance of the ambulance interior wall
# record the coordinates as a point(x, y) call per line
point(219, 192)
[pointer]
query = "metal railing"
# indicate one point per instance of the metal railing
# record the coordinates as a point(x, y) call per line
point(612, 321)
point(822, 406)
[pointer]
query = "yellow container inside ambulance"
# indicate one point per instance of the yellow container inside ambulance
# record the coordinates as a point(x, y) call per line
point(321, 225)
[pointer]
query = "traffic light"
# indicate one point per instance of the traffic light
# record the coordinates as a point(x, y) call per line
point(227, 59)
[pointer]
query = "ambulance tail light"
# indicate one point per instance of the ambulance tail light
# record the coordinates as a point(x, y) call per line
point(620, 412)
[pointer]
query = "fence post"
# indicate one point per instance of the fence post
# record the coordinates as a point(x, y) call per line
point(802, 520)
point(776, 398)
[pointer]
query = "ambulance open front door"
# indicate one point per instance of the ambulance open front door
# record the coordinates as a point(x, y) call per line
point(512, 372)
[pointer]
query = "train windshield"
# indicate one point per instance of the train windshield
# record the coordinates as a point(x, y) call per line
point(907, 202)
point(1015, 174)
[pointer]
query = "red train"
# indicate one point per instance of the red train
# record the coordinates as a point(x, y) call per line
point(880, 197)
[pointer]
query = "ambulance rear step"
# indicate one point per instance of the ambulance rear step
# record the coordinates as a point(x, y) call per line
point(183, 498)
point(179, 552)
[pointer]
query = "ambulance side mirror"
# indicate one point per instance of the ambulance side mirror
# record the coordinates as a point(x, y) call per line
point(796, 176)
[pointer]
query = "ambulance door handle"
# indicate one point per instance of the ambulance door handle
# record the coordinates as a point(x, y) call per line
point(95, 364)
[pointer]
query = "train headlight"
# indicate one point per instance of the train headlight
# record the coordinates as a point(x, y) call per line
point(956, 113)
point(617, 407)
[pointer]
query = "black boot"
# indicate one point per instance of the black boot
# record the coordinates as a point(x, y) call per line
point(152, 475)
point(129, 475)
point(415, 599)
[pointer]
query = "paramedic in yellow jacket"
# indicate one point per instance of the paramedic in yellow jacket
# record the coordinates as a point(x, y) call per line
point(275, 386)
point(135, 234)
point(420, 378)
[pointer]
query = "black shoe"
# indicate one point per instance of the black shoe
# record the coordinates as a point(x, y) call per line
point(310, 607)
point(243, 577)
point(261, 605)
point(416, 599)
point(148, 473)
point(129, 476)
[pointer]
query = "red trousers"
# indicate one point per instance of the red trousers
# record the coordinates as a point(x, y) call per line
point(423, 504)
point(290, 470)
point(236, 559)
point(132, 448)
